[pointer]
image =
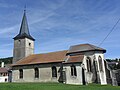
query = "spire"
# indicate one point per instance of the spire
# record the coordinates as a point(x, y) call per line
point(24, 30)
point(24, 26)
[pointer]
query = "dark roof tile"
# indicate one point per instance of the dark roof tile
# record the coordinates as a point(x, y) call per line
point(83, 48)
point(24, 30)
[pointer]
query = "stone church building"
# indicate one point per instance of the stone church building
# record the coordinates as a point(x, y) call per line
point(80, 64)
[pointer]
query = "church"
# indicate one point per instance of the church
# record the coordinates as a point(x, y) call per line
point(80, 64)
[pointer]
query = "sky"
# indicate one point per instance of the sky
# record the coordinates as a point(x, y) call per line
point(58, 24)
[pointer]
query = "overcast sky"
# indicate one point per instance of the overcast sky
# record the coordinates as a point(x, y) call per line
point(58, 24)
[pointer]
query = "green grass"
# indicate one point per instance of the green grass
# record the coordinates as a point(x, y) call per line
point(54, 86)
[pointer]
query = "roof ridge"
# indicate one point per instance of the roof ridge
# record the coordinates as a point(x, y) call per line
point(96, 47)
point(92, 46)
point(50, 52)
point(80, 44)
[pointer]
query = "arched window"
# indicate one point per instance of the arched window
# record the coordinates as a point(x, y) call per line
point(20, 73)
point(100, 63)
point(88, 61)
point(54, 71)
point(36, 73)
point(73, 71)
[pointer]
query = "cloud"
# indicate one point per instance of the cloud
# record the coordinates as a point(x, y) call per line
point(7, 45)
point(41, 19)
point(57, 44)
point(40, 15)
point(8, 31)
point(5, 5)
point(60, 23)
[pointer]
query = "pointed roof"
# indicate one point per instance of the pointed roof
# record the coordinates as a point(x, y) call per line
point(84, 48)
point(24, 30)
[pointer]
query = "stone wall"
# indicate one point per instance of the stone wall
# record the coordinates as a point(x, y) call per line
point(73, 79)
point(45, 73)
point(22, 48)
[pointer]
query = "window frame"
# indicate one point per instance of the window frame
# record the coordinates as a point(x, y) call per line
point(89, 66)
point(54, 72)
point(21, 73)
point(73, 70)
point(100, 63)
point(36, 72)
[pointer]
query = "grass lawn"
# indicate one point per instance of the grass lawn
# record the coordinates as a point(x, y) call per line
point(54, 86)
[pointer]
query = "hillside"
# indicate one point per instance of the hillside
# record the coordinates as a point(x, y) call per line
point(7, 60)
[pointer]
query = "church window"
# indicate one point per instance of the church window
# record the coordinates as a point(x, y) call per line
point(20, 73)
point(100, 63)
point(3, 74)
point(29, 44)
point(5, 79)
point(89, 67)
point(54, 71)
point(19, 41)
point(73, 71)
point(36, 73)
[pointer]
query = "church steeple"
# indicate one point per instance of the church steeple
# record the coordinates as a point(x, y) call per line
point(24, 30)
point(23, 42)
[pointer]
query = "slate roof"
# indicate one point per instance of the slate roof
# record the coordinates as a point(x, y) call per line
point(83, 48)
point(24, 30)
point(58, 56)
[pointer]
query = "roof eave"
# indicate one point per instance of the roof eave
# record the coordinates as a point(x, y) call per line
point(104, 51)
point(14, 65)
point(22, 37)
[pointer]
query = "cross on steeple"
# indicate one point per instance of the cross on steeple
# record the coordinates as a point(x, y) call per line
point(25, 8)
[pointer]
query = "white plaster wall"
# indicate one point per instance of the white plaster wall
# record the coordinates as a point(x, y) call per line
point(28, 75)
point(88, 75)
point(45, 75)
point(2, 78)
point(15, 75)
point(73, 79)
point(101, 73)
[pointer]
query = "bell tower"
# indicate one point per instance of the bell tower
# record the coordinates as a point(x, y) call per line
point(23, 42)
